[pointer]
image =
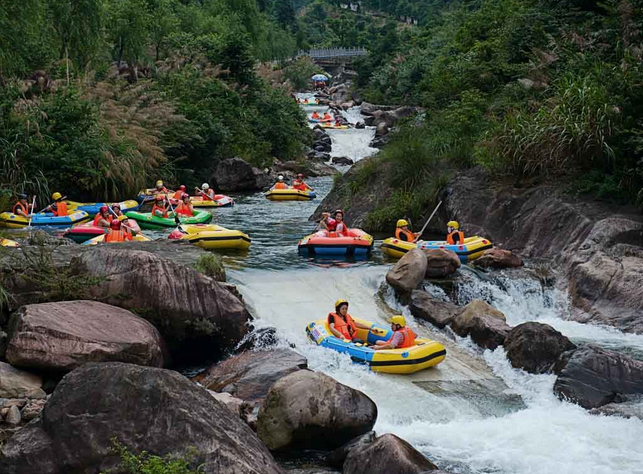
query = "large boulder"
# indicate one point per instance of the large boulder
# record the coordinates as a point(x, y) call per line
point(311, 410)
point(498, 258)
point(485, 324)
point(62, 336)
point(250, 375)
point(144, 408)
point(441, 263)
point(437, 312)
point(407, 274)
point(16, 383)
point(337, 457)
point(592, 377)
point(535, 347)
point(192, 311)
point(386, 455)
point(370, 109)
point(235, 174)
point(381, 129)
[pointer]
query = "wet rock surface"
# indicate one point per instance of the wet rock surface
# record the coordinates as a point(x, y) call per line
point(485, 324)
point(16, 383)
point(409, 271)
point(441, 263)
point(439, 313)
point(235, 174)
point(535, 347)
point(498, 258)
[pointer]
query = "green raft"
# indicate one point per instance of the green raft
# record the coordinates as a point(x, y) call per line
point(147, 221)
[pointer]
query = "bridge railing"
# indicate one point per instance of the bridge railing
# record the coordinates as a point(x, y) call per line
point(333, 53)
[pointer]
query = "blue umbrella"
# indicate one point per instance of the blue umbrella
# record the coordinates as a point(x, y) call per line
point(319, 77)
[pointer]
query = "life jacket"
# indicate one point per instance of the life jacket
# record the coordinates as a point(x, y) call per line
point(331, 224)
point(117, 236)
point(280, 186)
point(346, 328)
point(23, 207)
point(341, 229)
point(184, 209)
point(409, 338)
point(315, 115)
point(450, 240)
point(61, 209)
point(177, 195)
point(404, 235)
point(157, 208)
point(299, 185)
point(327, 117)
point(98, 217)
point(208, 195)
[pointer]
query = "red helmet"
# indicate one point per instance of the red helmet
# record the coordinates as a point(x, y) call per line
point(160, 198)
point(185, 195)
point(115, 224)
point(104, 209)
point(182, 187)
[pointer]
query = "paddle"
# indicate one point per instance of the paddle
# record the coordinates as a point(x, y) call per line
point(49, 206)
point(431, 217)
point(122, 223)
point(33, 205)
point(176, 216)
point(204, 194)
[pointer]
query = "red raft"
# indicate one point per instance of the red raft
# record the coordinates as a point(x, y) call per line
point(84, 232)
point(357, 243)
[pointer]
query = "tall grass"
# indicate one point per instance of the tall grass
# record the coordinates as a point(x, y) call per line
point(14, 179)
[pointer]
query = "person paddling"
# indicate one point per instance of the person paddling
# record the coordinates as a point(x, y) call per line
point(116, 233)
point(180, 192)
point(403, 233)
point(185, 206)
point(315, 116)
point(402, 337)
point(160, 188)
point(299, 184)
point(206, 192)
point(159, 209)
point(454, 235)
point(59, 207)
point(22, 207)
point(342, 325)
point(103, 218)
point(280, 183)
point(340, 226)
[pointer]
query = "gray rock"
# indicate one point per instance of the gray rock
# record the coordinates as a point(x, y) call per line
point(535, 347)
point(407, 274)
point(308, 409)
point(439, 313)
point(485, 324)
point(337, 457)
point(342, 160)
point(386, 455)
point(360, 125)
point(498, 258)
point(145, 408)
point(13, 416)
point(382, 129)
point(16, 383)
point(32, 409)
point(592, 377)
point(62, 336)
point(234, 174)
point(441, 263)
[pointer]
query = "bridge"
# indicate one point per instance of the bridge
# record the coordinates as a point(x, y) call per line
point(331, 56)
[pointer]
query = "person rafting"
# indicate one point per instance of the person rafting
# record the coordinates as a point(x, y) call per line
point(280, 183)
point(206, 192)
point(22, 207)
point(403, 233)
point(116, 233)
point(327, 222)
point(341, 229)
point(159, 209)
point(402, 337)
point(315, 116)
point(185, 208)
point(338, 122)
point(299, 184)
point(180, 192)
point(160, 188)
point(327, 117)
point(454, 235)
point(341, 323)
point(59, 207)
point(103, 218)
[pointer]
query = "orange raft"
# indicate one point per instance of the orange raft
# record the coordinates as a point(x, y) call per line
point(357, 243)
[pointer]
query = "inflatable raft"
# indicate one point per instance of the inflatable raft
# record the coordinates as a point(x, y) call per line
point(12, 221)
point(312, 120)
point(147, 221)
point(220, 200)
point(84, 232)
point(94, 207)
point(334, 127)
point(290, 194)
point(424, 354)
point(472, 247)
point(8, 243)
point(358, 243)
point(100, 239)
point(147, 195)
point(212, 237)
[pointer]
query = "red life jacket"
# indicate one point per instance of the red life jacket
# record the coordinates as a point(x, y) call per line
point(161, 209)
point(208, 195)
point(61, 209)
point(404, 235)
point(184, 209)
point(346, 328)
point(300, 185)
point(450, 240)
point(117, 236)
point(341, 229)
point(99, 216)
point(409, 338)
point(23, 207)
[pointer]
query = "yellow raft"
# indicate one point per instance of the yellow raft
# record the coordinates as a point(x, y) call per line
point(424, 354)
point(335, 127)
point(8, 243)
point(471, 248)
point(212, 237)
point(290, 194)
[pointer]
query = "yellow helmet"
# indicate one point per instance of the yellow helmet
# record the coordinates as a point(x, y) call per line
point(56, 196)
point(453, 224)
point(402, 223)
point(122, 218)
point(159, 183)
point(399, 320)
point(339, 302)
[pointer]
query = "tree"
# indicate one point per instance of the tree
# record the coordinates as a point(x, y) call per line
point(285, 14)
point(163, 23)
point(128, 26)
point(78, 24)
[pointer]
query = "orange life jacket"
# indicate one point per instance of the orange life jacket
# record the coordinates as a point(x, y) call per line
point(404, 235)
point(158, 208)
point(281, 186)
point(327, 117)
point(184, 209)
point(450, 240)
point(346, 328)
point(98, 217)
point(299, 185)
point(315, 115)
point(23, 207)
point(208, 195)
point(61, 209)
point(341, 229)
point(117, 236)
point(409, 338)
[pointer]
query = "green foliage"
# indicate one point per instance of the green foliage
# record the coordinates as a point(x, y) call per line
point(300, 71)
point(210, 265)
point(146, 463)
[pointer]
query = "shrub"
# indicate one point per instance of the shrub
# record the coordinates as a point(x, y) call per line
point(146, 463)
point(210, 265)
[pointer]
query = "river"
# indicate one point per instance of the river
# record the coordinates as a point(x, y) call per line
point(473, 414)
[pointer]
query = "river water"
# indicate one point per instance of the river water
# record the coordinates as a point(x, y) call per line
point(473, 414)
